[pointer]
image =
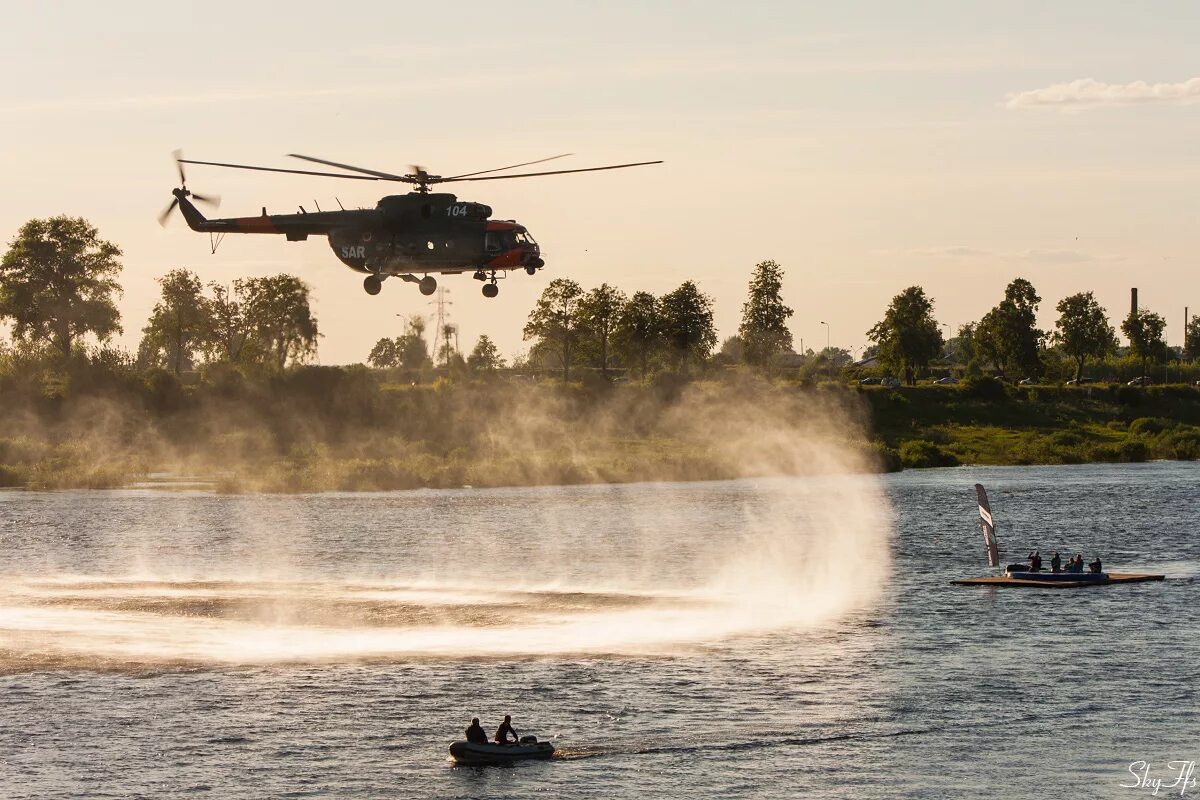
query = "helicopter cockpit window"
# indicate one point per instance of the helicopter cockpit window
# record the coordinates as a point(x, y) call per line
point(491, 241)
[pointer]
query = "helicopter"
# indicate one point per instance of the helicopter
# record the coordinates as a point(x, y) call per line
point(421, 233)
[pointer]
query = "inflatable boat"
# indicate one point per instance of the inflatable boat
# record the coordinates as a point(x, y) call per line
point(491, 753)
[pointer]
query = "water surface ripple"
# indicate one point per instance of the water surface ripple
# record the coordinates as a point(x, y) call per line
point(169, 644)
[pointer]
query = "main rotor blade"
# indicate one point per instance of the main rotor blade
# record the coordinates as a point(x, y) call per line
point(293, 171)
point(510, 166)
point(385, 175)
point(178, 154)
point(162, 218)
point(555, 172)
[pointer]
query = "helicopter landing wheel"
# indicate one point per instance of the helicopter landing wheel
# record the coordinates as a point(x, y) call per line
point(428, 285)
point(490, 290)
point(373, 284)
point(531, 270)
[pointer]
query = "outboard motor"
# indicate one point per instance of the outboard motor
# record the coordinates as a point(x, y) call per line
point(528, 739)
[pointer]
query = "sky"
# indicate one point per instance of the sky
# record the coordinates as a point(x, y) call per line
point(865, 146)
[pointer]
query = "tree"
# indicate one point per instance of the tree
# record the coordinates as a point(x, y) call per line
point(180, 326)
point(485, 357)
point(555, 320)
point(58, 282)
point(599, 311)
point(1083, 331)
point(1145, 332)
point(908, 336)
point(687, 319)
point(229, 331)
point(385, 354)
point(732, 351)
point(764, 332)
point(277, 312)
point(1007, 335)
point(639, 331)
point(1191, 341)
point(412, 350)
point(447, 350)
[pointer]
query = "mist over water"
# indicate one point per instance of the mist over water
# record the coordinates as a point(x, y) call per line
point(789, 554)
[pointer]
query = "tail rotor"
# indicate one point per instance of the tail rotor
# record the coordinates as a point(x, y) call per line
point(182, 191)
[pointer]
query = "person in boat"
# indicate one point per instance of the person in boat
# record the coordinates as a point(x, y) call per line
point(504, 730)
point(1095, 565)
point(1035, 561)
point(1055, 563)
point(475, 732)
point(1077, 563)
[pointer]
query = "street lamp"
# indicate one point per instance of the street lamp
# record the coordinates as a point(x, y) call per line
point(826, 324)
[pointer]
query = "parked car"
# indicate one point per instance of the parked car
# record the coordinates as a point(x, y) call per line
point(870, 382)
point(890, 381)
point(1026, 382)
point(1080, 382)
point(947, 381)
point(1142, 381)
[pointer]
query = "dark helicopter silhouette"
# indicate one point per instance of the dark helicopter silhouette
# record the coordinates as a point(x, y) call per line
point(420, 233)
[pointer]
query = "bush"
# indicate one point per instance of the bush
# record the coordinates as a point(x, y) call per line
point(1129, 396)
point(1106, 453)
point(1143, 426)
point(1183, 444)
point(919, 453)
point(1134, 450)
point(888, 458)
point(1066, 439)
point(983, 387)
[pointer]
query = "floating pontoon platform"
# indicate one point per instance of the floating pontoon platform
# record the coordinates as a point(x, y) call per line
point(1060, 580)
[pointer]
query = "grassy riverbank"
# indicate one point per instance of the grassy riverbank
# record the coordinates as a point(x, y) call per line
point(354, 429)
point(989, 423)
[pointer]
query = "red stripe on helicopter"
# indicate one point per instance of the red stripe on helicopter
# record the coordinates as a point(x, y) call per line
point(255, 225)
point(510, 259)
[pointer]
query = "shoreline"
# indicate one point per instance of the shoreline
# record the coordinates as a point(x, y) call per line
point(421, 437)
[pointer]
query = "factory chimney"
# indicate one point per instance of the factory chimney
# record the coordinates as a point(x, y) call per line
point(1133, 301)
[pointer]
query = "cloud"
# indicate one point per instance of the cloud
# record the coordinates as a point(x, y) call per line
point(1031, 255)
point(952, 251)
point(1065, 256)
point(1088, 93)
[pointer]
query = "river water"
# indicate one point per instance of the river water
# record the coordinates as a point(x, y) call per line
point(777, 638)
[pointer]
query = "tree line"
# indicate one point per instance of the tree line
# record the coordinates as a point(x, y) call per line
point(1007, 340)
point(58, 284)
